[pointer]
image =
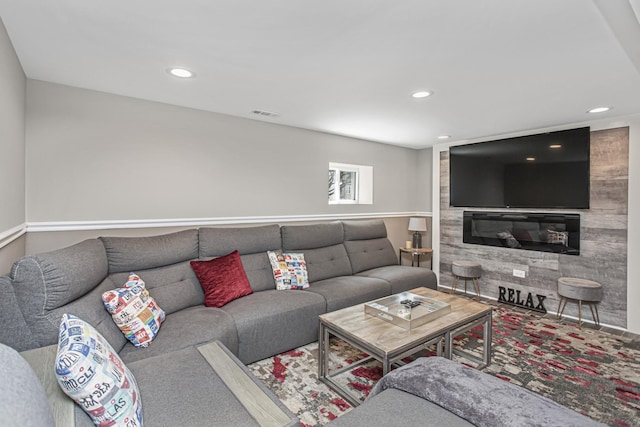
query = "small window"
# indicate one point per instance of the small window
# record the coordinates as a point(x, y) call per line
point(350, 184)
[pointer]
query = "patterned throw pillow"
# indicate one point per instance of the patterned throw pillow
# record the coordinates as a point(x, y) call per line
point(134, 311)
point(223, 279)
point(91, 373)
point(289, 270)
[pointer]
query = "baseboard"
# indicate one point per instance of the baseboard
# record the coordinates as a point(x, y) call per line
point(553, 313)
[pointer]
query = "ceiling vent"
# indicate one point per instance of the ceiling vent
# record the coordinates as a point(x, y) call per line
point(265, 113)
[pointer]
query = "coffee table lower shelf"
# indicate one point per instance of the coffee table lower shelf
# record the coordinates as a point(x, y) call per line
point(387, 360)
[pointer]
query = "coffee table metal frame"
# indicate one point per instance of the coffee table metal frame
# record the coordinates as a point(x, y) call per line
point(441, 337)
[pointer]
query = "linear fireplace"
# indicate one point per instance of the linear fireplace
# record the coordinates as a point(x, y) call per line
point(534, 231)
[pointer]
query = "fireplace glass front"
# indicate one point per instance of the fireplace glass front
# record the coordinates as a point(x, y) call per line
point(534, 231)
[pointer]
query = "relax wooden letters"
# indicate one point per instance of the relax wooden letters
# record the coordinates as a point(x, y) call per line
point(512, 296)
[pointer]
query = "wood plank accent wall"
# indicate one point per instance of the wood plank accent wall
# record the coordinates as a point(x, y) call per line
point(603, 245)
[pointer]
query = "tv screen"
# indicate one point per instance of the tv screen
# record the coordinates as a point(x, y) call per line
point(549, 170)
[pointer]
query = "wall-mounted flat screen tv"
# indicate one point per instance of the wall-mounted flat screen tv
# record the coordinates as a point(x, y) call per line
point(548, 170)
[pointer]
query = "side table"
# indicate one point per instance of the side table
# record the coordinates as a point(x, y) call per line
point(416, 253)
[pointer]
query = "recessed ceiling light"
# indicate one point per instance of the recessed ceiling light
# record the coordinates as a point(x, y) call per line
point(530, 159)
point(599, 110)
point(555, 146)
point(181, 72)
point(422, 94)
point(444, 136)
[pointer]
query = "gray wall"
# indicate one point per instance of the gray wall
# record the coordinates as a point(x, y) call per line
point(12, 147)
point(424, 180)
point(93, 156)
point(603, 247)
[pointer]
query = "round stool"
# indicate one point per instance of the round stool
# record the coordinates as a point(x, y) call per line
point(466, 270)
point(580, 290)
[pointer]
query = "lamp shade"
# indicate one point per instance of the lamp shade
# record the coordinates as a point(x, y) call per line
point(417, 224)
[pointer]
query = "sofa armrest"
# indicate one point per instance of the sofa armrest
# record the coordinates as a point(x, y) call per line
point(42, 361)
point(255, 399)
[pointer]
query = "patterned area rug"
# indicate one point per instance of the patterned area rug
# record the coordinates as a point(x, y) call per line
point(592, 372)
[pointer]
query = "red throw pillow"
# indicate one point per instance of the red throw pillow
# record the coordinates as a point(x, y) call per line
point(223, 279)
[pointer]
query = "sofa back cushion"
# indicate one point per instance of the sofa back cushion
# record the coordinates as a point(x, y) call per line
point(251, 242)
point(364, 230)
point(162, 262)
point(367, 245)
point(132, 254)
point(69, 280)
point(322, 246)
point(174, 287)
point(14, 331)
point(219, 241)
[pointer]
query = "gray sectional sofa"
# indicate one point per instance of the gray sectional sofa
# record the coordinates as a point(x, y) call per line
point(193, 374)
point(348, 262)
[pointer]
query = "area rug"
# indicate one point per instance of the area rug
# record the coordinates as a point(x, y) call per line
point(589, 371)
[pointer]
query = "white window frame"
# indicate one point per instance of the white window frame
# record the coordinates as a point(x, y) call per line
point(363, 185)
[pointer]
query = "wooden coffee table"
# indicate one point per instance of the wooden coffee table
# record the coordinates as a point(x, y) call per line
point(389, 343)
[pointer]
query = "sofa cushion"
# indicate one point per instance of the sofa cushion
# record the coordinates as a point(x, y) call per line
point(252, 243)
point(322, 247)
point(367, 245)
point(368, 254)
point(218, 241)
point(271, 322)
point(364, 230)
point(258, 270)
point(223, 279)
point(184, 328)
point(174, 287)
point(289, 270)
point(190, 393)
point(127, 254)
point(24, 402)
point(403, 278)
point(134, 311)
point(91, 373)
point(345, 291)
point(328, 262)
point(14, 331)
point(301, 237)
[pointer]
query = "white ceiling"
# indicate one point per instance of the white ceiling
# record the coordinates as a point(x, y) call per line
point(348, 67)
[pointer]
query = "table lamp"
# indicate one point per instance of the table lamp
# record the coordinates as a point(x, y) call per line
point(417, 225)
